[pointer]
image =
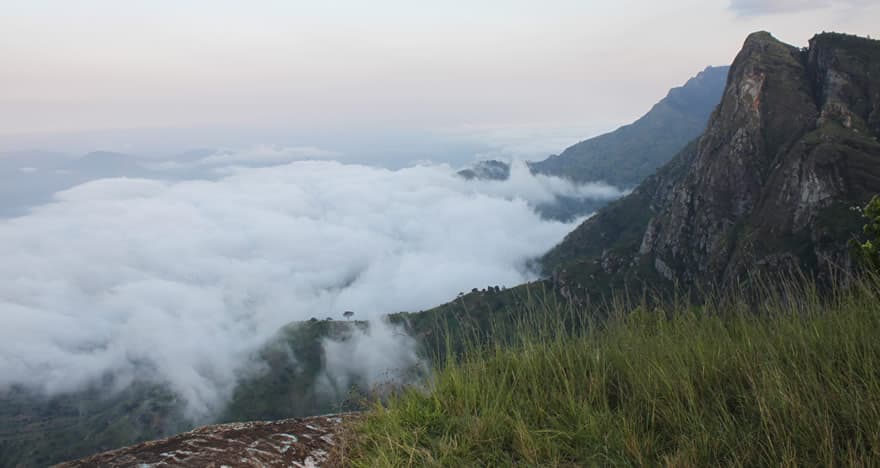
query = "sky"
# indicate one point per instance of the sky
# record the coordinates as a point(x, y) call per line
point(310, 66)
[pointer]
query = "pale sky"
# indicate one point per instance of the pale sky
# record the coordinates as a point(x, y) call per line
point(108, 64)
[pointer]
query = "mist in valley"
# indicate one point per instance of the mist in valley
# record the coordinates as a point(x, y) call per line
point(179, 271)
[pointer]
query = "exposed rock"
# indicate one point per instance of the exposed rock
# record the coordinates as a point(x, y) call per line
point(489, 169)
point(735, 157)
point(306, 442)
point(792, 145)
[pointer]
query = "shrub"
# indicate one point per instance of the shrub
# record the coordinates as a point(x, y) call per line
point(868, 252)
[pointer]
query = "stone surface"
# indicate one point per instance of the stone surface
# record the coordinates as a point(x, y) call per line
point(305, 442)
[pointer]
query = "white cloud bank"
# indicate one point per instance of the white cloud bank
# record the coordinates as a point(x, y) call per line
point(257, 156)
point(380, 356)
point(180, 282)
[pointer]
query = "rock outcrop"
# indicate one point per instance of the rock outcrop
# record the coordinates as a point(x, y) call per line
point(792, 146)
point(489, 169)
point(306, 442)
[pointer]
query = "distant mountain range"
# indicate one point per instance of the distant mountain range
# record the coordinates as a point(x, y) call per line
point(626, 156)
point(30, 178)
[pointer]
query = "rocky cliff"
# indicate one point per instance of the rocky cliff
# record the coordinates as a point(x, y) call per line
point(792, 146)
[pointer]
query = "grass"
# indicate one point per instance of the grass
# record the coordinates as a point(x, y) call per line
point(784, 376)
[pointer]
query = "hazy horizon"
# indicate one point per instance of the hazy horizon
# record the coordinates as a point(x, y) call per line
point(100, 73)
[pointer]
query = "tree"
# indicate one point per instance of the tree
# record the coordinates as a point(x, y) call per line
point(347, 314)
point(868, 252)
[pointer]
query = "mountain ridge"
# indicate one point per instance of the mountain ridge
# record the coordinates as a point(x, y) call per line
point(626, 156)
point(790, 148)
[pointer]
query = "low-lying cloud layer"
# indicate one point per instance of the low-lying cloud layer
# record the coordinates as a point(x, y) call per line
point(381, 355)
point(180, 282)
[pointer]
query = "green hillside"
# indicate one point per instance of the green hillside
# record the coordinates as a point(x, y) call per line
point(773, 377)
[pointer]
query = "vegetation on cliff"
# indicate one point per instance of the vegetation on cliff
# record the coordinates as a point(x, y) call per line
point(768, 377)
point(868, 252)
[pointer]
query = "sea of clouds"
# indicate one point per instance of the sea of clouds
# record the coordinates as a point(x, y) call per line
point(181, 281)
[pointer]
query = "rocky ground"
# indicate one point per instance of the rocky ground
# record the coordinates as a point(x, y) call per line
point(305, 442)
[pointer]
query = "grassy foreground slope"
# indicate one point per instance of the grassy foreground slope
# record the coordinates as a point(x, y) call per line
point(778, 377)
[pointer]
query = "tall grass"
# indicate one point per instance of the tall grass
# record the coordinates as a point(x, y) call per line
point(784, 377)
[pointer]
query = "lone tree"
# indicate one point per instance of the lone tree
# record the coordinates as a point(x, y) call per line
point(347, 314)
point(868, 252)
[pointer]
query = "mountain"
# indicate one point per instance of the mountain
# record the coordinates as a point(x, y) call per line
point(770, 184)
point(489, 169)
point(100, 164)
point(31, 178)
point(627, 155)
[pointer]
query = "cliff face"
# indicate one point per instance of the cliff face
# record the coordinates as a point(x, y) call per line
point(790, 148)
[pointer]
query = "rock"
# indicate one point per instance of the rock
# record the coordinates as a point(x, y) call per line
point(790, 148)
point(305, 442)
point(489, 169)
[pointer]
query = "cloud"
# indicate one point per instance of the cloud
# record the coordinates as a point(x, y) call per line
point(257, 156)
point(542, 189)
point(180, 282)
point(381, 355)
point(266, 155)
point(765, 7)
